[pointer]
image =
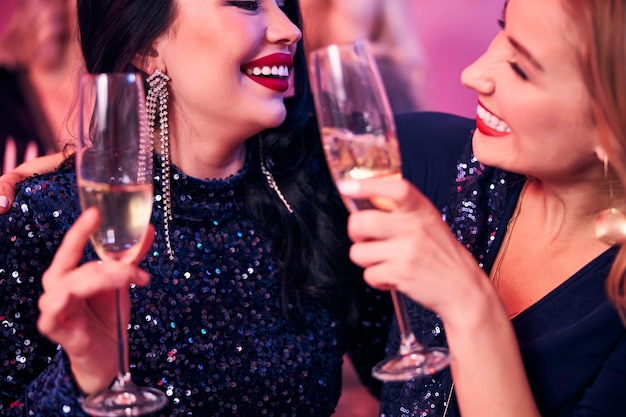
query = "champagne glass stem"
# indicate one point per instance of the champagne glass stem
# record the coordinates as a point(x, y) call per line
point(123, 376)
point(408, 341)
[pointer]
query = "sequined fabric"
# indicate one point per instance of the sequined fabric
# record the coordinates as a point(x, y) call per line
point(209, 330)
point(474, 212)
point(572, 341)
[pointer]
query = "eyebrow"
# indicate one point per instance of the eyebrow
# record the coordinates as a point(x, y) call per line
point(523, 51)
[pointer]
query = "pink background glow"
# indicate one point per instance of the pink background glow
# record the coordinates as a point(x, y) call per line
point(453, 34)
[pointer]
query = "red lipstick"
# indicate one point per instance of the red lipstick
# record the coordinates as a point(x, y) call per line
point(277, 82)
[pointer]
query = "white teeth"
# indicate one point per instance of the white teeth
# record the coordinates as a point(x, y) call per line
point(276, 71)
point(491, 120)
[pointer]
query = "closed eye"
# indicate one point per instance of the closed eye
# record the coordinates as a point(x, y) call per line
point(250, 5)
point(518, 70)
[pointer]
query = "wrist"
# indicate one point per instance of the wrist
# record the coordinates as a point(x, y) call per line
point(94, 372)
point(93, 379)
point(477, 305)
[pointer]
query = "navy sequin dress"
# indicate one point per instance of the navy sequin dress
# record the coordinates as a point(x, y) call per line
point(209, 330)
point(572, 341)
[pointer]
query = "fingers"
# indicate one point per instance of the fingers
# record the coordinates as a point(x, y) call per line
point(72, 296)
point(71, 250)
point(7, 189)
point(412, 214)
point(375, 277)
point(375, 251)
point(399, 191)
point(57, 309)
point(92, 277)
point(78, 303)
point(370, 225)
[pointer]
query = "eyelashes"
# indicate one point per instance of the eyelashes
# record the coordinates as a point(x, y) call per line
point(516, 68)
point(502, 21)
point(287, 6)
point(249, 5)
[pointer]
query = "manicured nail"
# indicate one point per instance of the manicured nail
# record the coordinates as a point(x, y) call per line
point(348, 187)
point(4, 201)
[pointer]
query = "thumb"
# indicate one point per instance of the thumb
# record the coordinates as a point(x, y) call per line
point(71, 250)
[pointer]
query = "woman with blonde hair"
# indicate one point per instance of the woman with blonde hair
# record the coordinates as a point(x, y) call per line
point(518, 290)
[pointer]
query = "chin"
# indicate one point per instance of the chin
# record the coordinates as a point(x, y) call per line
point(487, 151)
point(277, 118)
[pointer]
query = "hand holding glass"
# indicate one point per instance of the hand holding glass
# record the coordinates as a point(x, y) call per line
point(114, 174)
point(359, 139)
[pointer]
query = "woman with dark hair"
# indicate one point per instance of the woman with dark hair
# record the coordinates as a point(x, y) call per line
point(246, 299)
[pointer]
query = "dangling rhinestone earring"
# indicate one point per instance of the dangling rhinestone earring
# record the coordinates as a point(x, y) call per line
point(158, 93)
point(610, 225)
point(270, 178)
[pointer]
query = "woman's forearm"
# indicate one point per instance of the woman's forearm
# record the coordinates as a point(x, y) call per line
point(488, 372)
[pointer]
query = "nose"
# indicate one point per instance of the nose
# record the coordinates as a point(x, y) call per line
point(479, 74)
point(282, 30)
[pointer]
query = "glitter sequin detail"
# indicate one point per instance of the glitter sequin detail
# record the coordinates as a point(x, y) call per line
point(209, 330)
point(473, 213)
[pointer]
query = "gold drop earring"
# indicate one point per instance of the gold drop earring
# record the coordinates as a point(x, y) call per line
point(610, 225)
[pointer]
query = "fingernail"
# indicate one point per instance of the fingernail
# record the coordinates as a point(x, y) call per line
point(348, 187)
point(4, 201)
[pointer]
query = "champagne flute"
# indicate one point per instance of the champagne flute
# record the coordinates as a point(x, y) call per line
point(359, 139)
point(114, 174)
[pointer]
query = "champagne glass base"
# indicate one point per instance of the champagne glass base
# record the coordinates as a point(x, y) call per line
point(412, 365)
point(131, 401)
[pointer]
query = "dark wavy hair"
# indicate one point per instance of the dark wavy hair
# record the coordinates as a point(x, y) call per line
point(311, 243)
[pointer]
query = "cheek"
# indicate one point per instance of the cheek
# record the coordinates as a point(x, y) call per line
point(576, 123)
point(550, 114)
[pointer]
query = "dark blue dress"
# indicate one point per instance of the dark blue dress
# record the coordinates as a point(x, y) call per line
point(572, 341)
point(210, 330)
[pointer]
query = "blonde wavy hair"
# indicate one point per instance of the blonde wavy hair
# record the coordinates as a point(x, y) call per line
point(600, 30)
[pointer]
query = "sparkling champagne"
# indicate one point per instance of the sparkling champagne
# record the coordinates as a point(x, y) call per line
point(125, 215)
point(359, 156)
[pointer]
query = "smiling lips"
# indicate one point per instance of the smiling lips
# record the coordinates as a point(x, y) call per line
point(271, 71)
point(489, 124)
